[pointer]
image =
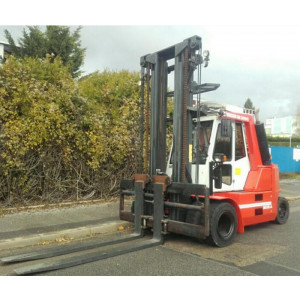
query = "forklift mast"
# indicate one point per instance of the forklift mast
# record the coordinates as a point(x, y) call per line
point(185, 57)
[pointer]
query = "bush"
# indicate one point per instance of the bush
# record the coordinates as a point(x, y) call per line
point(60, 139)
point(283, 141)
point(113, 105)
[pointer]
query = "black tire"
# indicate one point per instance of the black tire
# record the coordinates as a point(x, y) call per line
point(223, 224)
point(283, 211)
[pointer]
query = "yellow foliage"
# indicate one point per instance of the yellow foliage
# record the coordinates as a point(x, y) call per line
point(113, 106)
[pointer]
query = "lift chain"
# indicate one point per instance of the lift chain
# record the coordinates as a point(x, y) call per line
point(142, 116)
point(146, 168)
point(185, 104)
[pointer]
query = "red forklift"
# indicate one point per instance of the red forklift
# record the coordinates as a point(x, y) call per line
point(218, 177)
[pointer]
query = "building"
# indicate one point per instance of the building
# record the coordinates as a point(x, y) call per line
point(4, 49)
point(284, 127)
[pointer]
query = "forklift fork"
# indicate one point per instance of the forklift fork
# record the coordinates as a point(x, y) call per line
point(156, 240)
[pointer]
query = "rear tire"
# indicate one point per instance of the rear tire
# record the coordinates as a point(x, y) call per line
point(283, 211)
point(223, 224)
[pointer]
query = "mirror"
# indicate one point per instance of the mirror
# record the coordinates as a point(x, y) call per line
point(218, 177)
point(226, 128)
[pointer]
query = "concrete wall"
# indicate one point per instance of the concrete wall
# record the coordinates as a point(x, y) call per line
point(287, 158)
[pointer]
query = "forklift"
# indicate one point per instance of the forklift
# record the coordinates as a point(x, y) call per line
point(218, 177)
point(214, 179)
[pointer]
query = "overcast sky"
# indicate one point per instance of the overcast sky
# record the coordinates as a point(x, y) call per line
point(250, 59)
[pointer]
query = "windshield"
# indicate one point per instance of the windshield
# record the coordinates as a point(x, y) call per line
point(205, 129)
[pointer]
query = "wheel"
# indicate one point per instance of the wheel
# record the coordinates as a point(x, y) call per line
point(223, 224)
point(283, 211)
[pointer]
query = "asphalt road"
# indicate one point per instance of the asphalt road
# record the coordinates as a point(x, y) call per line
point(266, 249)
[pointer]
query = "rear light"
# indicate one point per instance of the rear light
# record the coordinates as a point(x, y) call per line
point(167, 211)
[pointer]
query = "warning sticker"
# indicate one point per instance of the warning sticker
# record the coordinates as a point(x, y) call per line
point(238, 171)
point(190, 153)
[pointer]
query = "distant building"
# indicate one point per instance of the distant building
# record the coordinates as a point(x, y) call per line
point(4, 49)
point(285, 127)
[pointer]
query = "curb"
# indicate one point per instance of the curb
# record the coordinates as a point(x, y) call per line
point(56, 205)
point(65, 235)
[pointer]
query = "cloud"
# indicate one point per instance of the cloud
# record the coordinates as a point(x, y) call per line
point(256, 62)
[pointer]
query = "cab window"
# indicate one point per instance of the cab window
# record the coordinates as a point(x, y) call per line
point(223, 144)
point(201, 139)
point(239, 142)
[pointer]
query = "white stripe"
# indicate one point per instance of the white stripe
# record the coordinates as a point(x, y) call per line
point(265, 205)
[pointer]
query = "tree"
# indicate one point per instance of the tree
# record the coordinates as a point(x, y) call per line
point(61, 42)
point(248, 104)
point(56, 41)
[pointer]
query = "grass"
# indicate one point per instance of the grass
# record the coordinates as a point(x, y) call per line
point(289, 176)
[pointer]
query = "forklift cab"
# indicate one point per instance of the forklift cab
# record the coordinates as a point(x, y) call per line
point(222, 144)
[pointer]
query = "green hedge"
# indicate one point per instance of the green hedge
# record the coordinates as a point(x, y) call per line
point(283, 141)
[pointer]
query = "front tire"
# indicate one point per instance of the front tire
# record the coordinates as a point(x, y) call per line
point(283, 211)
point(223, 224)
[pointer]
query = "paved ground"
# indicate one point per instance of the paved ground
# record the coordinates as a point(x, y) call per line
point(260, 251)
point(290, 188)
point(266, 249)
point(41, 226)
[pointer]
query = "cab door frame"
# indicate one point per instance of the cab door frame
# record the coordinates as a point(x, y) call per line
point(235, 170)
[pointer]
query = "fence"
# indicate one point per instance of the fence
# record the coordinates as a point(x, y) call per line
point(287, 158)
